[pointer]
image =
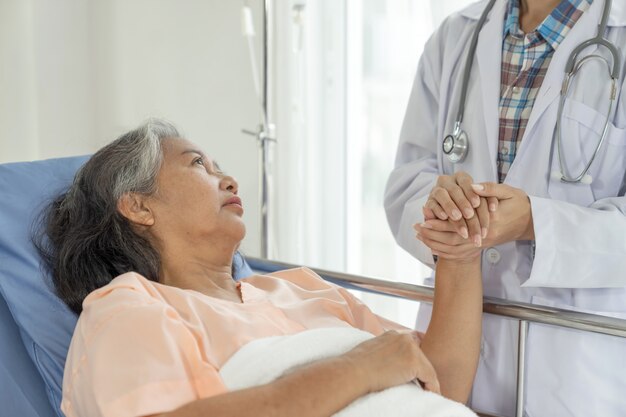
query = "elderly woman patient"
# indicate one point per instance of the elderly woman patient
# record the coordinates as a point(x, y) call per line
point(142, 246)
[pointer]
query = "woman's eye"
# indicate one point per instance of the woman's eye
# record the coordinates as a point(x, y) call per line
point(199, 161)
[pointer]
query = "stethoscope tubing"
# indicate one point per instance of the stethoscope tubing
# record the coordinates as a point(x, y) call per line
point(456, 145)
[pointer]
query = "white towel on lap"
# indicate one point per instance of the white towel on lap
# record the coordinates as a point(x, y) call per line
point(264, 360)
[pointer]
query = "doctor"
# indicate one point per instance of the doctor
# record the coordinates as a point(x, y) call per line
point(550, 220)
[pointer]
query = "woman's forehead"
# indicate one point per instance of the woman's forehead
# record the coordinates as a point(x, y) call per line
point(179, 147)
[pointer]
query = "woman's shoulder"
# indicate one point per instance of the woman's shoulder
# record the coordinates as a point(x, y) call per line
point(302, 277)
point(130, 286)
point(125, 293)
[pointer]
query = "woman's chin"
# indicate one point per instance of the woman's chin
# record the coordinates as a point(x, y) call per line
point(241, 232)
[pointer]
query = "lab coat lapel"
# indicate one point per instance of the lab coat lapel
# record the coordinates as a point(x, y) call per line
point(584, 29)
point(488, 58)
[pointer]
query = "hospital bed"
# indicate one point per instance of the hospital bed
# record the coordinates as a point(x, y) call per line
point(36, 327)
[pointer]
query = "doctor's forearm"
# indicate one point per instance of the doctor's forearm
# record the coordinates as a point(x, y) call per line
point(452, 342)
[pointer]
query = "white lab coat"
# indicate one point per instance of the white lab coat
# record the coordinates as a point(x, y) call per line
point(579, 261)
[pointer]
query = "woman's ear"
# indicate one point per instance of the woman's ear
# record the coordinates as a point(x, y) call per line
point(133, 207)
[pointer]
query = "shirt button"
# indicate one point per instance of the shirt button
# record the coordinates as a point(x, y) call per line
point(492, 255)
point(516, 90)
point(504, 151)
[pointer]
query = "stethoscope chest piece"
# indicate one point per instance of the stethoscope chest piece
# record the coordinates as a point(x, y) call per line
point(456, 145)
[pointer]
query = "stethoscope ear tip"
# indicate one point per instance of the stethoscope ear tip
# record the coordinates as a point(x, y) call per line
point(555, 176)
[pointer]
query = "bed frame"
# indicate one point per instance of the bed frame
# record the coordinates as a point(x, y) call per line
point(522, 312)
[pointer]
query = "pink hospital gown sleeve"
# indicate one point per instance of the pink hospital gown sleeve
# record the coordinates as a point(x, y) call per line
point(135, 358)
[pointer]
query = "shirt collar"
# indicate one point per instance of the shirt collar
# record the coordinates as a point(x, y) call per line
point(511, 19)
point(554, 27)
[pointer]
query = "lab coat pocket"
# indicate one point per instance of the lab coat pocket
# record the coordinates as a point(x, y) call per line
point(581, 132)
point(574, 373)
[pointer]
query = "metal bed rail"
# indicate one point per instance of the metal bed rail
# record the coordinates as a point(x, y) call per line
point(523, 312)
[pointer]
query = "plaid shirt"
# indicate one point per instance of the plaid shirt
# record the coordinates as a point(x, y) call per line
point(525, 61)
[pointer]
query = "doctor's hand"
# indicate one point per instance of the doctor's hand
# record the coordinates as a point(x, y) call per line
point(514, 218)
point(454, 199)
point(512, 221)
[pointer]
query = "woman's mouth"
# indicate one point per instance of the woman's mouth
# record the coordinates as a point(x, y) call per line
point(234, 201)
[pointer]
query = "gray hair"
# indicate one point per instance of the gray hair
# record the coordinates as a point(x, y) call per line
point(85, 241)
point(131, 163)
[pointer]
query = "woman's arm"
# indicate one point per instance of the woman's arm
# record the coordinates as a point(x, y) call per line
point(320, 389)
point(452, 341)
point(325, 387)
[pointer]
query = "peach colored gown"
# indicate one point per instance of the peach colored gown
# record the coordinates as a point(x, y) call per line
point(143, 348)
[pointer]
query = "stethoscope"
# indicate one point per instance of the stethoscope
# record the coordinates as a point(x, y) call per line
point(456, 145)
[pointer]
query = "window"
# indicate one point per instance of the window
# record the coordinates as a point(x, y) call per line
point(344, 71)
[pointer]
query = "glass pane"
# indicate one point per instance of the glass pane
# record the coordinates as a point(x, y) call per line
point(385, 39)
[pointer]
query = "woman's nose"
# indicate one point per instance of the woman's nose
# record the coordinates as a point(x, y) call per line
point(228, 183)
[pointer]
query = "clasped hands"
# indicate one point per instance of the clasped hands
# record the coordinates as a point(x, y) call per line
point(461, 217)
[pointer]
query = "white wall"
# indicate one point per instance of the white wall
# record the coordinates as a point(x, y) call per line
point(74, 74)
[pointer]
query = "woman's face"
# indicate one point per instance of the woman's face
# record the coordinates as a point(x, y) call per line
point(195, 203)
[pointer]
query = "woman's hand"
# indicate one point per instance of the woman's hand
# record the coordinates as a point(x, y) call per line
point(324, 387)
point(512, 221)
point(391, 359)
point(454, 199)
point(444, 242)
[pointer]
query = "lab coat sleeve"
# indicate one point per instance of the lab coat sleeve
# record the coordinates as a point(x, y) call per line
point(416, 168)
point(579, 247)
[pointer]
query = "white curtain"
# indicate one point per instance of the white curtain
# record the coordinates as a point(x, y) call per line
point(320, 100)
point(310, 188)
point(344, 70)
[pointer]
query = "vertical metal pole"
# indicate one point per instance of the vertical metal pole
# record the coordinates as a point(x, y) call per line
point(263, 195)
point(266, 133)
point(521, 365)
point(266, 39)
